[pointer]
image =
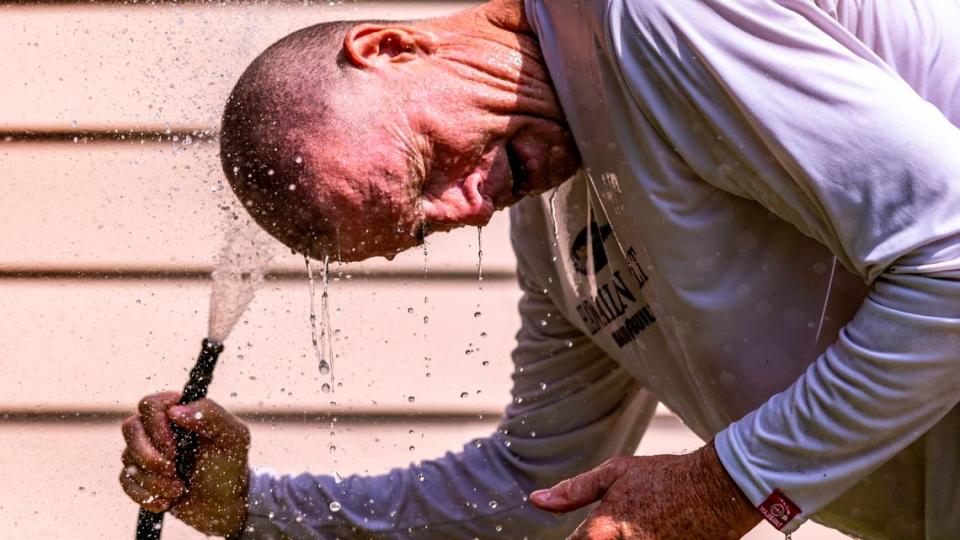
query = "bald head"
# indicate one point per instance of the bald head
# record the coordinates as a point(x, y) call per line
point(278, 113)
point(352, 139)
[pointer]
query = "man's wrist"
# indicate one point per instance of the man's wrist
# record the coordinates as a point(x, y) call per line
point(723, 497)
point(245, 508)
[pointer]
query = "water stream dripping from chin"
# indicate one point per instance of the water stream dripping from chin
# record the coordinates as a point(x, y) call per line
point(322, 340)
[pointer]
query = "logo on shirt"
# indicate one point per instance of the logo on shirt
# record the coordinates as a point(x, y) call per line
point(616, 298)
point(596, 235)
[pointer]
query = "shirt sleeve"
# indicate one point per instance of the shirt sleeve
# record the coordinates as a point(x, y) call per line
point(774, 101)
point(572, 408)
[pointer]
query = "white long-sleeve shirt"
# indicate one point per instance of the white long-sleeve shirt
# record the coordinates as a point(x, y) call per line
point(766, 237)
point(738, 147)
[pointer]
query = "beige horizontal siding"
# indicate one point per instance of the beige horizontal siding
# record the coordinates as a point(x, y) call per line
point(154, 66)
point(100, 346)
point(160, 206)
point(61, 480)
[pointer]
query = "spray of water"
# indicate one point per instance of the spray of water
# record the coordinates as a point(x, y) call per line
point(238, 274)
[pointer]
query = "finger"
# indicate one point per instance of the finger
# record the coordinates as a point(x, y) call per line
point(211, 421)
point(140, 450)
point(162, 485)
point(154, 463)
point(141, 495)
point(581, 490)
point(153, 414)
point(599, 526)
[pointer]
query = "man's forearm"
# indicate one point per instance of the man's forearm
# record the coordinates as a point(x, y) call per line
point(460, 495)
point(892, 375)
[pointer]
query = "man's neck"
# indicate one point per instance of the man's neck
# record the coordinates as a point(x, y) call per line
point(508, 15)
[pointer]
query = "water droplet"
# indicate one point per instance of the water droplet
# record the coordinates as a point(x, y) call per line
point(477, 313)
point(298, 159)
point(543, 386)
point(479, 253)
point(553, 217)
point(492, 504)
point(325, 388)
point(335, 506)
point(198, 415)
point(464, 395)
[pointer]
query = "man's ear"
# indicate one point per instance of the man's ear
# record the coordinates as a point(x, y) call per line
point(370, 45)
point(459, 204)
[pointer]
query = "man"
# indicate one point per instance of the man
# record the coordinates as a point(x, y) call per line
point(764, 235)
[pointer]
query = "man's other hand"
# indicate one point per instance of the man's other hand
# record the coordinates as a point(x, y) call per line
point(687, 496)
point(216, 503)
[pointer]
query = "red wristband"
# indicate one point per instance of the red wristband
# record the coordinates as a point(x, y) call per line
point(778, 509)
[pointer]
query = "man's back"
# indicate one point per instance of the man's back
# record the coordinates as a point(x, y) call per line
point(682, 130)
point(916, 38)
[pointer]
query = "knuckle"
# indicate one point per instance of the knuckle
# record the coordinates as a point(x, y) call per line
point(145, 406)
point(155, 504)
point(564, 488)
point(244, 436)
point(130, 486)
point(617, 461)
point(129, 427)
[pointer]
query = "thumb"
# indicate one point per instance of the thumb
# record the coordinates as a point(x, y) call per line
point(211, 421)
point(580, 490)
